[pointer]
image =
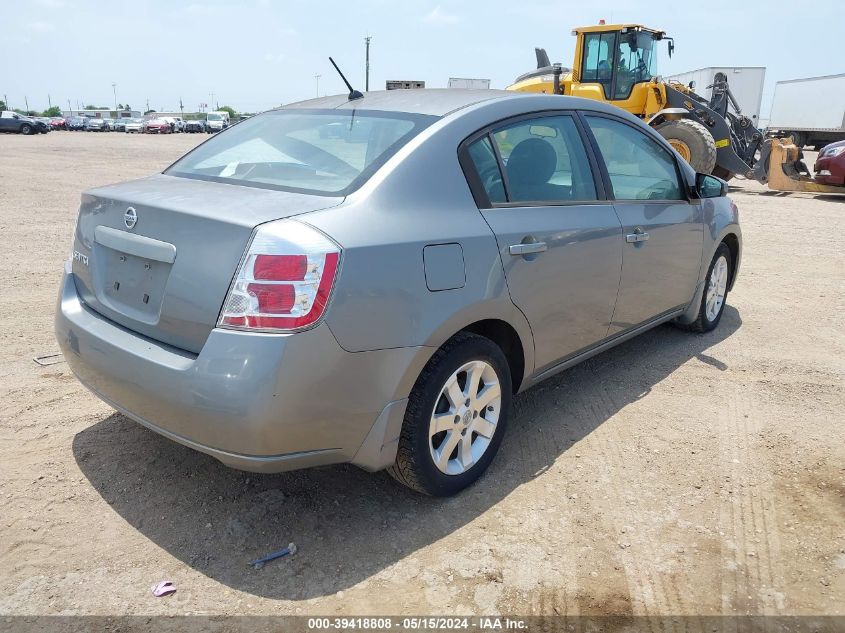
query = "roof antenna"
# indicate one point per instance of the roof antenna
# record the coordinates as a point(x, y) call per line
point(353, 94)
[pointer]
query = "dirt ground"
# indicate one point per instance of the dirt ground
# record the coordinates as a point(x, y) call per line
point(675, 474)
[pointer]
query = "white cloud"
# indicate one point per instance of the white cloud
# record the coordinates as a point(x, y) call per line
point(41, 27)
point(439, 16)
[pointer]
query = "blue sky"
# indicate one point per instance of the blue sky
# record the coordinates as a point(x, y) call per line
point(257, 54)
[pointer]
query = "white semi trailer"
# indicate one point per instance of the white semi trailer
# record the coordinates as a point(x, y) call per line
point(811, 110)
point(469, 84)
point(745, 82)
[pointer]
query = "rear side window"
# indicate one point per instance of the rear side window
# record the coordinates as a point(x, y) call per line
point(639, 168)
point(543, 159)
point(309, 151)
point(487, 166)
point(600, 49)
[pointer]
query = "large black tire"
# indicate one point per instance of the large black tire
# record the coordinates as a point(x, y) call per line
point(691, 137)
point(415, 466)
point(705, 322)
point(26, 129)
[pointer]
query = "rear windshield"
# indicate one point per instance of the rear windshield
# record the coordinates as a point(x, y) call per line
point(312, 151)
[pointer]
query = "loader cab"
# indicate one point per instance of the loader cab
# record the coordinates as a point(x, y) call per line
point(616, 63)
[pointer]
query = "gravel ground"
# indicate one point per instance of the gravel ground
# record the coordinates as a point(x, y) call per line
point(675, 474)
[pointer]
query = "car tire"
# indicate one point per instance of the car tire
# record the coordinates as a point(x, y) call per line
point(715, 294)
point(26, 129)
point(475, 425)
point(692, 141)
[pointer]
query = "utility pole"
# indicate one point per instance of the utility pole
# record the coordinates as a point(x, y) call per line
point(148, 104)
point(317, 78)
point(49, 102)
point(211, 103)
point(367, 74)
point(69, 109)
point(114, 92)
point(181, 108)
point(26, 101)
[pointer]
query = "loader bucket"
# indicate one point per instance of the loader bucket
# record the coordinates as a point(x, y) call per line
point(785, 171)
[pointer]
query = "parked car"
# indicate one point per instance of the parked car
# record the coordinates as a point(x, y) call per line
point(134, 126)
point(58, 123)
point(119, 124)
point(830, 164)
point(44, 122)
point(157, 126)
point(194, 125)
point(76, 123)
point(278, 300)
point(216, 121)
point(110, 125)
point(19, 124)
point(93, 124)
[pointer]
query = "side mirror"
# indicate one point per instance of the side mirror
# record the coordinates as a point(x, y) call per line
point(691, 85)
point(710, 186)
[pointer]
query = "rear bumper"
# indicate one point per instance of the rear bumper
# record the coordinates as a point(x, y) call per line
point(257, 402)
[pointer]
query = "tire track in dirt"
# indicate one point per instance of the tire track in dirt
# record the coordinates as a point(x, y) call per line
point(747, 515)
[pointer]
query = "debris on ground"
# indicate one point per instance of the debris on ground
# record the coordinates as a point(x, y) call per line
point(290, 550)
point(164, 588)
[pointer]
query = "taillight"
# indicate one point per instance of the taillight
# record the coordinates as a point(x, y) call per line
point(285, 280)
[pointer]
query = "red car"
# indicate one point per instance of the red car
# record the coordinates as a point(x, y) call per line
point(157, 126)
point(830, 165)
point(58, 123)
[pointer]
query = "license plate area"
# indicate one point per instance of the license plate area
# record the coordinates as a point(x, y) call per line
point(129, 284)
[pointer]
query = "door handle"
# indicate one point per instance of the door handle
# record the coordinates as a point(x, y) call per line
point(636, 237)
point(527, 248)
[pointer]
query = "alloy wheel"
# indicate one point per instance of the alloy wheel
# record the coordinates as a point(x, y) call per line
point(464, 418)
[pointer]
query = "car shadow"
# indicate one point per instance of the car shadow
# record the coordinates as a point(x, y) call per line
point(349, 524)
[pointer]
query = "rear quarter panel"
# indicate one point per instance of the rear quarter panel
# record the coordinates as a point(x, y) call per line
point(419, 198)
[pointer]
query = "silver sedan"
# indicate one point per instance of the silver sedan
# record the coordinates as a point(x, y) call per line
point(371, 280)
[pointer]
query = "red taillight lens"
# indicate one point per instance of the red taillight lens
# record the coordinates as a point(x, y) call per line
point(273, 298)
point(285, 280)
point(281, 267)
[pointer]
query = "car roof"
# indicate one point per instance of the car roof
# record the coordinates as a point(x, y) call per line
point(440, 102)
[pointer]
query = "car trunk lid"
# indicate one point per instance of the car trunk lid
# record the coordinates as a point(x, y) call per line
point(157, 255)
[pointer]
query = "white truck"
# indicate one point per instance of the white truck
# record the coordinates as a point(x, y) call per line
point(811, 110)
point(745, 82)
point(216, 121)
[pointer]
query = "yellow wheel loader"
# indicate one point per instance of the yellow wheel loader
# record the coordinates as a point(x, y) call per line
point(617, 64)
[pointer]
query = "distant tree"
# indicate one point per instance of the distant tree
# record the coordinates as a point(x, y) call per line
point(92, 107)
point(127, 107)
point(149, 112)
point(228, 109)
point(2, 105)
point(54, 111)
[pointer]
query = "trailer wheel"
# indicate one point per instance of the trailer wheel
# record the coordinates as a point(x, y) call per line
point(692, 141)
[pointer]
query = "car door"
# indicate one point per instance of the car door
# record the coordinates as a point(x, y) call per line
point(662, 229)
point(559, 238)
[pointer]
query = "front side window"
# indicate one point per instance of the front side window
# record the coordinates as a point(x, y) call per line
point(310, 151)
point(637, 62)
point(638, 166)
